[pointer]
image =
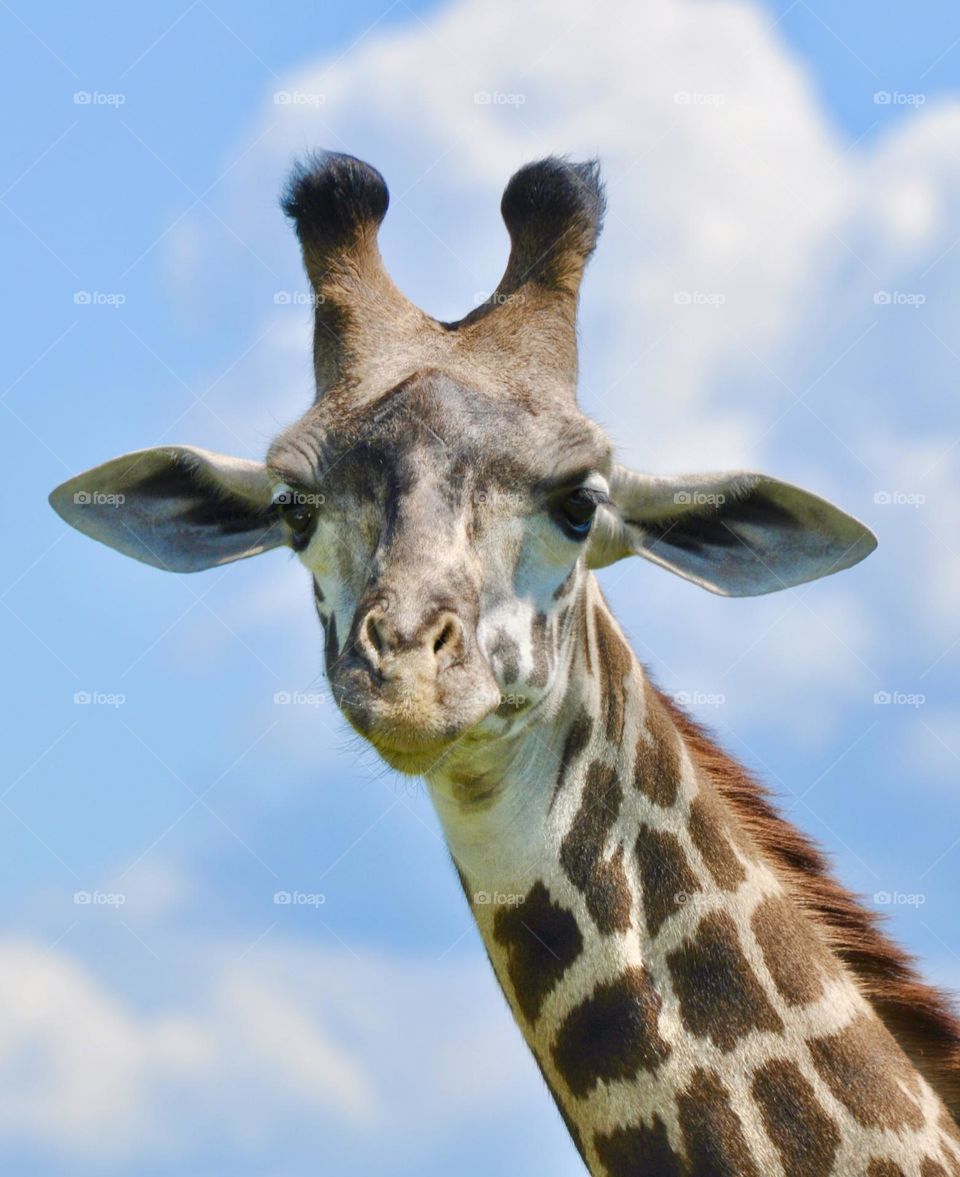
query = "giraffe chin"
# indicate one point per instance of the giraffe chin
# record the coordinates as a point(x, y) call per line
point(415, 724)
point(418, 751)
point(414, 761)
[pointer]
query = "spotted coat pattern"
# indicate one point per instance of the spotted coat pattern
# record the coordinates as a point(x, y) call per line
point(686, 1014)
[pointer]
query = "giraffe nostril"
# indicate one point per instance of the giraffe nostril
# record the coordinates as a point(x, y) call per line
point(398, 652)
point(446, 640)
point(373, 635)
point(444, 637)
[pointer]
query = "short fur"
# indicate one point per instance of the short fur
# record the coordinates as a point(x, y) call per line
point(919, 1016)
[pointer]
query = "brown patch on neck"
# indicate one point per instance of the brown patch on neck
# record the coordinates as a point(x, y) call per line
point(805, 1136)
point(612, 1034)
point(712, 1131)
point(931, 1168)
point(709, 832)
point(795, 957)
point(869, 1075)
point(624, 1152)
point(575, 741)
point(542, 940)
point(616, 663)
point(602, 882)
point(656, 766)
point(712, 962)
point(918, 1016)
point(666, 880)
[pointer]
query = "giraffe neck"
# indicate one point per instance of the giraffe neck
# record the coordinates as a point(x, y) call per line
point(687, 1016)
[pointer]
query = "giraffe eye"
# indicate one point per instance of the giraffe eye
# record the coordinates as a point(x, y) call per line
point(299, 512)
point(576, 511)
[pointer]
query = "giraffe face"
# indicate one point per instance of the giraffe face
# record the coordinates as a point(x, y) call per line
point(446, 532)
point(444, 490)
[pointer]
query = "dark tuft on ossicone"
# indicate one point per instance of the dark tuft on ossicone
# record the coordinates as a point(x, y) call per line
point(555, 203)
point(333, 197)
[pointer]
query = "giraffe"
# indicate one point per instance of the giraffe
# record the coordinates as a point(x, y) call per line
point(701, 996)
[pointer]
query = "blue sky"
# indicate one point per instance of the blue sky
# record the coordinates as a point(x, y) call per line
point(194, 1024)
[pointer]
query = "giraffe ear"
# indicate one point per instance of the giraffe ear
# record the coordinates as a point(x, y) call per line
point(736, 534)
point(175, 507)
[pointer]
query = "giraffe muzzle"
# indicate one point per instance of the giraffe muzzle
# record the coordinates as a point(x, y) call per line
point(426, 650)
point(414, 685)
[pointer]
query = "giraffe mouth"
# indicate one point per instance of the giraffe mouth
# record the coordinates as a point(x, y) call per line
point(413, 757)
point(414, 722)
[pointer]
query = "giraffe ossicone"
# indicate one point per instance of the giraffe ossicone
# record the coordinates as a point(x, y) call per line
point(700, 995)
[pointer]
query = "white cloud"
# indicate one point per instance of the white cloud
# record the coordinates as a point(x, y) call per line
point(74, 1062)
point(372, 1056)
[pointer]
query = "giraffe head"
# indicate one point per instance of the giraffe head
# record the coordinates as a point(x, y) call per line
point(444, 490)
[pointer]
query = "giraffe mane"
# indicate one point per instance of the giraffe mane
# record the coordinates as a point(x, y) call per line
point(919, 1016)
